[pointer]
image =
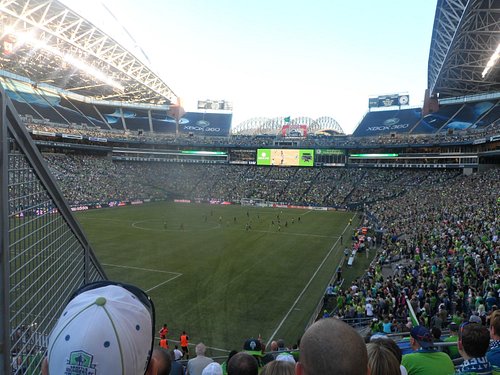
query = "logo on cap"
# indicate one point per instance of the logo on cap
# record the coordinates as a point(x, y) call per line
point(80, 363)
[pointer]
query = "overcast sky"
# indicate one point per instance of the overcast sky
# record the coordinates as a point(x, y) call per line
point(278, 57)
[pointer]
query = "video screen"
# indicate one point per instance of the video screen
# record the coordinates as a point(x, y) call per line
point(285, 158)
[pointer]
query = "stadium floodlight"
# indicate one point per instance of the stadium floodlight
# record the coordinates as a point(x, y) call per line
point(30, 39)
point(492, 61)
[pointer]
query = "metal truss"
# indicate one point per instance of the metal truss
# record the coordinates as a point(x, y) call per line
point(263, 125)
point(465, 35)
point(59, 28)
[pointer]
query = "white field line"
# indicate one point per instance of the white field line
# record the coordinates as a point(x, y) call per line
point(177, 274)
point(287, 233)
point(305, 288)
point(136, 225)
point(139, 268)
point(160, 284)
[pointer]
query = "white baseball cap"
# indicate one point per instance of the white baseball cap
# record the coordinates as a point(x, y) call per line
point(212, 369)
point(106, 328)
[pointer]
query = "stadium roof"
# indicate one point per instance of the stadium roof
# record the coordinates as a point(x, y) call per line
point(47, 42)
point(466, 34)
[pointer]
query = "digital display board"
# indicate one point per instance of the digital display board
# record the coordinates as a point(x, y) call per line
point(285, 158)
point(388, 100)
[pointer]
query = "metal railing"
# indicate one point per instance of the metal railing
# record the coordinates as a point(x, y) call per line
point(45, 255)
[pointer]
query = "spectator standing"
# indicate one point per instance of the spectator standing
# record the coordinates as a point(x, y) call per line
point(330, 346)
point(381, 360)
point(493, 353)
point(86, 339)
point(242, 364)
point(453, 337)
point(426, 360)
point(473, 342)
point(196, 365)
point(176, 367)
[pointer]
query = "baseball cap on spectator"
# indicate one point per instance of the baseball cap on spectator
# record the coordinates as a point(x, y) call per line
point(105, 328)
point(253, 347)
point(475, 319)
point(285, 357)
point(453, 327)
point(212, 369)
point(423, 336)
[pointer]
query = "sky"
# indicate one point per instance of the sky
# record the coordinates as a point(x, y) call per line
point(274, 58)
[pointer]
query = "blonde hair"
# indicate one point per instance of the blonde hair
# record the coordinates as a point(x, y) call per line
point(495, 322)
point(278, 368)
point(381, 360)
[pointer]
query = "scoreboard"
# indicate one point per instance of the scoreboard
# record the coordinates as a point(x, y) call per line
point(285, 158)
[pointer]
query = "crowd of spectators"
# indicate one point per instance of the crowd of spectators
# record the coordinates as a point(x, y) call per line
point(99, 179)
point(441, 239)
point(439, 228)
point(267, 140)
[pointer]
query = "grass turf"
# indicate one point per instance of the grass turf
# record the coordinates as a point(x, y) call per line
point(216, 280)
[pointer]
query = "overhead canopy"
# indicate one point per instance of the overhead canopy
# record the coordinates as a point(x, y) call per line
point(47, 42)
point(466, 34)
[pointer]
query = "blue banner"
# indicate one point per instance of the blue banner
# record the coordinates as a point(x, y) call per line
point(205, 123)
point(387, 122)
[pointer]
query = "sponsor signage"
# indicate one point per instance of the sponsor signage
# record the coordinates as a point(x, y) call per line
point(97, 139)
point(40, 132)
point(205, 123)
point(322, 151)
point(72, 136)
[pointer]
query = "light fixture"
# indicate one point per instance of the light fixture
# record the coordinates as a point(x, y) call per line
point(492, 61)
point(30, 39)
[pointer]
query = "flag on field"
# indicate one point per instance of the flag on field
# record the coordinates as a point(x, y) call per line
point(287, 119)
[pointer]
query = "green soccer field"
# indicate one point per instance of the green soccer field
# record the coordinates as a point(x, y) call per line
point(213, 277)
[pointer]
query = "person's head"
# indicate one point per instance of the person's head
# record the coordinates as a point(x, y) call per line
point(453, 329)
point(473, 340)
point(475, 319)
point(230, 355)
point(274, 346)
point(278, 368)
point(212, 369)
point(242, 364)
point(331, 346)
point(163, 359)
point(495, 325)
point(106, 327)
point(285, 357)
point(436, 333)
point(200, 349)
point(381, 360)
point(281, 344)
point(391, 345)
point(420, 337)
point(253, 347)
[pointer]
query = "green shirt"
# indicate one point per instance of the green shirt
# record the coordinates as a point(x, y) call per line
point(428, 362)
point(452, 350)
